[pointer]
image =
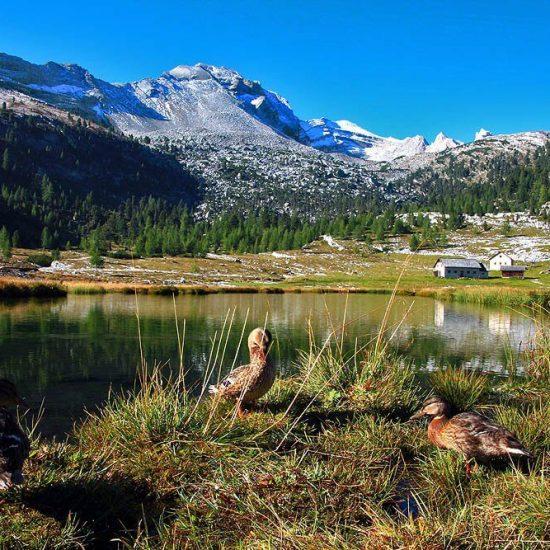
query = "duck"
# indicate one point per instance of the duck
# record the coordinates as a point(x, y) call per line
point(470, 433)
point(247, 383)
point(14, 444)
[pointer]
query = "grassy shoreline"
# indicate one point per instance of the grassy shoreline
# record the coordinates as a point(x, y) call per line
point(327, 460)
point(11, 287)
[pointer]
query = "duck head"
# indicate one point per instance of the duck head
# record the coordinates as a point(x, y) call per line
point(259, 341)
point(433, 406)
point(9, 396)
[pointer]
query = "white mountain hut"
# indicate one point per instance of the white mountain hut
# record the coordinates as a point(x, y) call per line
point(499, 260)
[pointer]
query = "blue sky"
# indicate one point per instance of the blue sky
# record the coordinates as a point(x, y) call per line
point(396, 68)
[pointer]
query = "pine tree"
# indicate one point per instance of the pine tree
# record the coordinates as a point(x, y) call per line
point(95, 246)
point(6, 163)
point(47, 190)
point(46, 238)
point(506, 228)
point(95, 257)
point(380, 231)
point(414, 242)
point(5, 243)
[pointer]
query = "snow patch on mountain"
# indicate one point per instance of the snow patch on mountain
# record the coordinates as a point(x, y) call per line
point(442, 143)
point(348, 126)
point(59, 89)
point(347, 138)
point(334, 137)
point(482, 134)
point(188, 72)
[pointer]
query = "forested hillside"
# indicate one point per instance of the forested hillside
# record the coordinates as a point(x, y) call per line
point(509, 184)
point(60, 179)
point(65, 181)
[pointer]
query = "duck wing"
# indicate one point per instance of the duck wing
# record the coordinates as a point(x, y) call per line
point(238, 381)
point(14, 450)
point(476, 435)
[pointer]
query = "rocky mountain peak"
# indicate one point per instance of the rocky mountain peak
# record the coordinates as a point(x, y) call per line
point(482, 134)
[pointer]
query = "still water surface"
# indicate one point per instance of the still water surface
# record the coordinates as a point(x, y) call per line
point(70, 351)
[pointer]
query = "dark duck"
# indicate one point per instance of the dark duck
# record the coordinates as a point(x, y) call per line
point(14, 444)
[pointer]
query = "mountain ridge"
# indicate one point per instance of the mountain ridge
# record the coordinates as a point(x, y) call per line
point(201, 97)
point(248, 151)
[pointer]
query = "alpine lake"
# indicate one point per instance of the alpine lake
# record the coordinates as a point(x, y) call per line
point(66, 354)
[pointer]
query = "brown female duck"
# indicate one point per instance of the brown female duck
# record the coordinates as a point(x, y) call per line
point(247, 383)
point(14, 444)
point(469, 433)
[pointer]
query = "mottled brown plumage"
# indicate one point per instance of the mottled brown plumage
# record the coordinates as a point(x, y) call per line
point(14, 444)
point(247, 383)
point(470, 433)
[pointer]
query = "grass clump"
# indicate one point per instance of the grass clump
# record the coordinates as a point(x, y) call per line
point(529, 421)
point(538, 366)
point(367, 381)
point(87, 289)
point(462, 389)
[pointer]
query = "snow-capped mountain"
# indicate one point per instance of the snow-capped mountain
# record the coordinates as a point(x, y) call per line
point(201, 99)
point(442, 143)
point(345, 137)
point(187, 99)
point(482, 134)
point(246, 146)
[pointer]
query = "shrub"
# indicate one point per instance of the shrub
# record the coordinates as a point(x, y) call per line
point(42, 260)
point(121, 254)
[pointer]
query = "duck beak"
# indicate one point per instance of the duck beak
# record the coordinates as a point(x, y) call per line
point(417, 415)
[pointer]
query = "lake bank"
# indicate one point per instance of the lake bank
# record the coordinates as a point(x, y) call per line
point(72, 351)
point(320, 267)
point(480, 293)
point(328, 459)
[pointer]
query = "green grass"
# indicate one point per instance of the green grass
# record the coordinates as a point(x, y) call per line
point(326, 271)
point(462, 389)
point(322, 462)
